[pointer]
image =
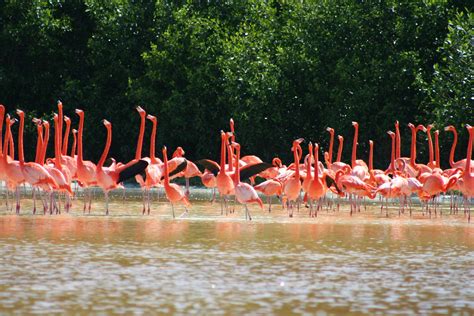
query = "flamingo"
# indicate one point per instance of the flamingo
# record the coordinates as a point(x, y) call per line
point(33, 173)
point(224, 182)
point(191, 169)
point(174, 193)
point(244, 192)
point(328, 155)
point(108, 178)
point(467, 180)
point(86, 170)
point(292, 186)
point(317, 187)
point(460, 163)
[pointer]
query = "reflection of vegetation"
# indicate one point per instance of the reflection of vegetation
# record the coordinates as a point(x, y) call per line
point(282, 70)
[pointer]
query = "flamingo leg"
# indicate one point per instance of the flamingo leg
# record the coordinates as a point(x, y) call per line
point(106, 194)
point(172, 210)
point(34, 200)
point(17, 200)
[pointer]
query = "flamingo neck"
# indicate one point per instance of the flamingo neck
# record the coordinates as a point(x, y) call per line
point(105, 153)
point(453, 148)
point(237, 167)
point(230, 153)
point(354, 146)
point(339, 149)
point(138, 153)
point(2, 117)
point(165, 160)
point(74, 144)
point(66, 138)
point(371, 156)
point(437, 158)
point(398, 141)
point(45, 144)
point(467, 169)
point(21, 156)
point(430, 146)
point(152, 142)
point(39, 144)
point(7, 137)
point(79, 140)
point(392, 155)
point(331, 145)
point(413, 147)
point(316, 161)
point(57, 146)
point(310, 158)
point(60, 125)
point(223, 141)
point(297, 162)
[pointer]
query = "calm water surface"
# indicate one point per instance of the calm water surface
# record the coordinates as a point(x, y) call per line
point(206, 263)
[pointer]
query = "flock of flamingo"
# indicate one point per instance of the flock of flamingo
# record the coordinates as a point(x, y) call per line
point(307, 182)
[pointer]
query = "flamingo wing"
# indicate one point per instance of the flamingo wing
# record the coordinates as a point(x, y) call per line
point(128, 171)
point(208, 164)
point(252, 170)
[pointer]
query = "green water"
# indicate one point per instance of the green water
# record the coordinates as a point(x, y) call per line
point(206, 263)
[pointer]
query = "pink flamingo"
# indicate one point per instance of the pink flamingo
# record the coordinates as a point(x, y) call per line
point(174, 193)
point(244, 192)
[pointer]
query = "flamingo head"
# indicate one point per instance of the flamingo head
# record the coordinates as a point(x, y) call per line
point(67, 119)
point(340, 138)
point(450, 128)
point(46, 124)
point(106, 123)
point(436, 132)
point(411, 126)
point(277, 162)
point(20, 113)
point(60, 106)
point(231, 122)
point(421, 128)
point(80, 112)
point(152, 118)
point(74, 131)
point(179, 152)
point(355, 124)
point(371, 143)
point(391, 134)
point(429, 127)
point(141, 111)
point(397, 123)
point(37, 121)
point(330, 130)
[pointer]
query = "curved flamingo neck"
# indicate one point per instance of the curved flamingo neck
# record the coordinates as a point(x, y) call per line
point(66, 138)
point(45, 143)
point(331, 144)
point(371, 155)
point(105, 153)
point(339, 149)
point(138, 153)
point(453, 148)
point(152, 142)
point(21, 156)
point(354, 146)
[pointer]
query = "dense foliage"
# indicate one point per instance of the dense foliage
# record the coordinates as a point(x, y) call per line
point(281, 69)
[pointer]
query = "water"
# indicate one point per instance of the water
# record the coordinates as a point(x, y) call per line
point(206, 263)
